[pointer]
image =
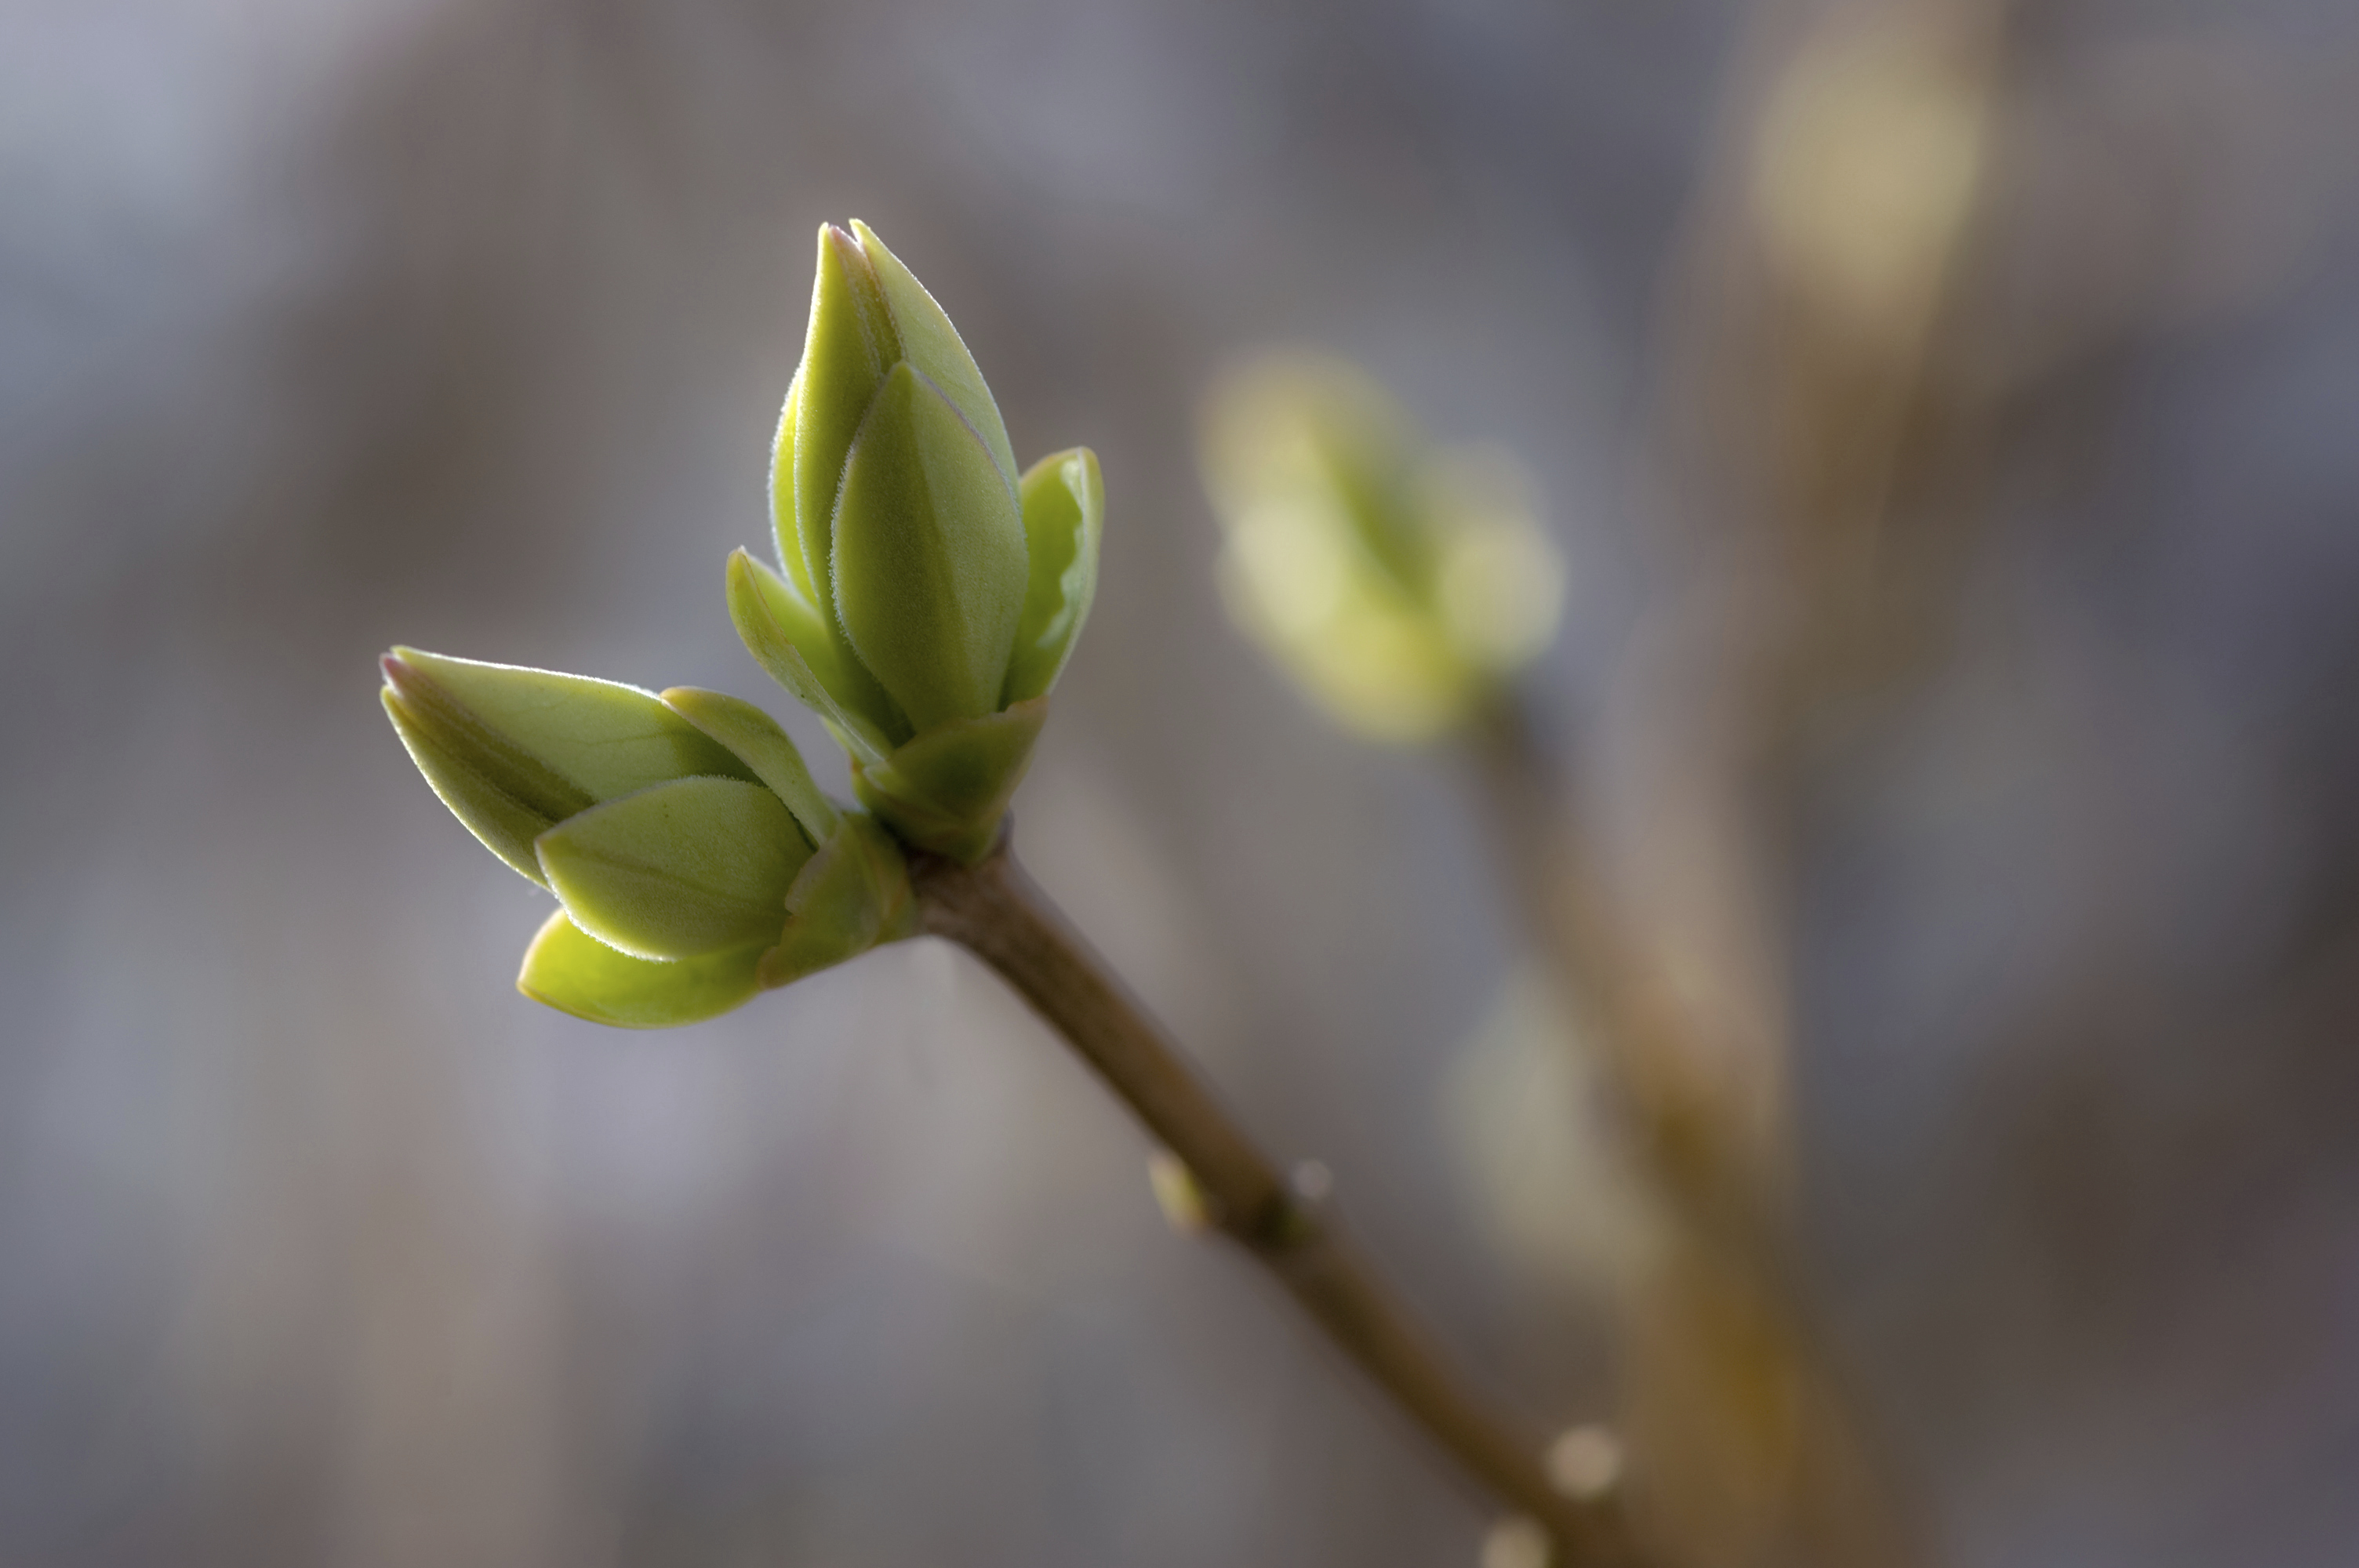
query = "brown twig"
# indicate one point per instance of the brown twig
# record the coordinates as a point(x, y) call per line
point(995, 912)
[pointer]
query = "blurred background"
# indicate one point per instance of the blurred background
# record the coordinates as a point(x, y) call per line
point(1951, 416)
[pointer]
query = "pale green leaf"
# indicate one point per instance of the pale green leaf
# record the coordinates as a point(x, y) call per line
point(683, 870)
point(776, 626)
point(573, 972)
point(929, 342)
point(848, 347)
point(507, 748)
point(929, 557)
point(784, 532)
point(1064, 518)
point(506, 822)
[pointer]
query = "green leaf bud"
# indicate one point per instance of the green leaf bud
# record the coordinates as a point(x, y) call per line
point(1394, 582)
point(697, 860)
point(514, 751)
point(928, 596)
point(573, 972)
point(679, 869)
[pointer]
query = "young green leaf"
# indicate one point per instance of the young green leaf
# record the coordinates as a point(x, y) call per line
point(513, 751)
point(777, 627)
point(1064, 517)
point(931, 564)
point(848, 347)
point(784, 532)
point(929, 342)
point(681, 871)
point(576, 973)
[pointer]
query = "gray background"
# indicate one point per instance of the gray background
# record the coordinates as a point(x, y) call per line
point(463, 323)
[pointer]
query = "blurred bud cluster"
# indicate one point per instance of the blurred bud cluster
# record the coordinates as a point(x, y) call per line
point(1397, 581)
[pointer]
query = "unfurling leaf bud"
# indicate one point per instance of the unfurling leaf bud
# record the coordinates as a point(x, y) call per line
point(931, 595)
point(1394, 582)
point(514, 751)
point(696, 861)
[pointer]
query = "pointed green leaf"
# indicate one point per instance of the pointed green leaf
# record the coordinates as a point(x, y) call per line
point(512, 750)
point(849, 347)
point(681, 871)
point(930, 556)
point(775, 627)
point(506, 824)
point(784, 531)
point(576, 973)
point(947, 790)
point(766, 749)
point(929, 342)
point(603, 737)
point(1064, 516)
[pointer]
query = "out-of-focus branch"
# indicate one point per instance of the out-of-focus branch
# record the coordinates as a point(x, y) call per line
point(1722, 1296)
point(995, 913)
point(1702, 1147)
point(1815, 445)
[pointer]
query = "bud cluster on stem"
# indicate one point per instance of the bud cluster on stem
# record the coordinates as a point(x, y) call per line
point(694, 861)
point(927, 597)
point(930, 594)
point(1397, 582)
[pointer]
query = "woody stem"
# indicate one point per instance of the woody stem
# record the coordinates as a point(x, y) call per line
point(997, 913)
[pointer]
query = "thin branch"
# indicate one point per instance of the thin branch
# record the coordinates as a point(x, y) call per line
point(996, 913)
